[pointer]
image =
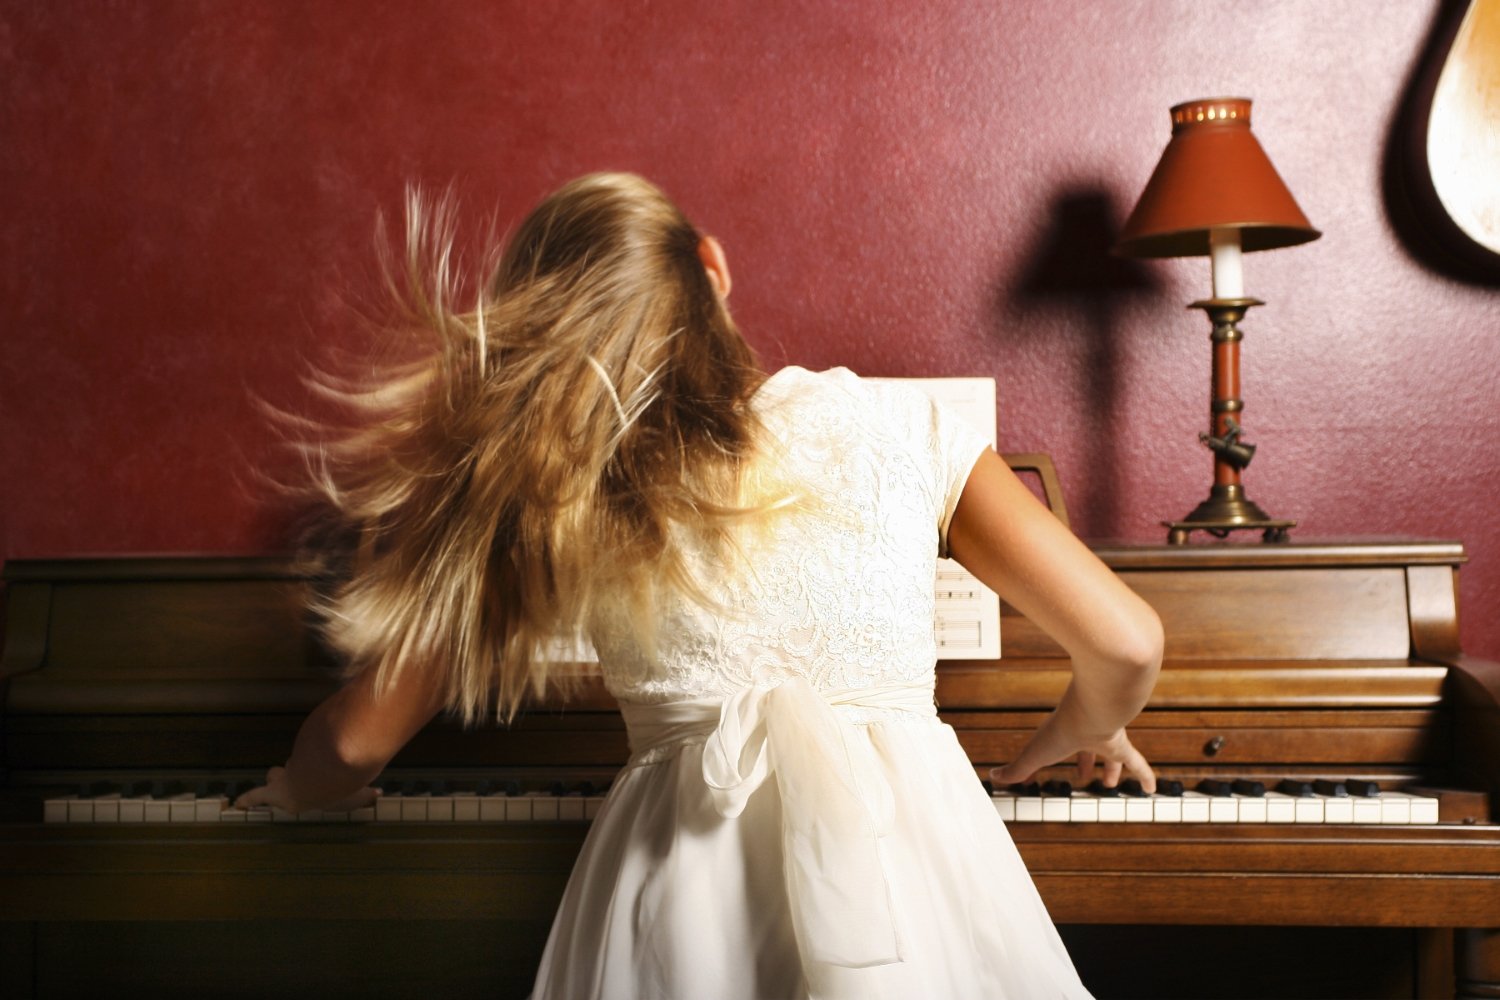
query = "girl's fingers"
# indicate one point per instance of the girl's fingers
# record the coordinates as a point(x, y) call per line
point(1112, 770)
point(251, 799)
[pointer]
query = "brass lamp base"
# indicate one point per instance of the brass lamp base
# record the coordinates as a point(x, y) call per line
point(1227, 509)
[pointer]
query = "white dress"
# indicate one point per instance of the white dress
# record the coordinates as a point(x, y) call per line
point(794, 820)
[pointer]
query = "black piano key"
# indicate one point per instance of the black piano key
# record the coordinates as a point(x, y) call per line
point(1214, 787)
point(989, 786)
point(557, 789)
point(1254, 789)
point(1097, 787)
point(1029, 789)
point(511, 787)
point(1362, 789)
point(1293, 787)
point(1333, 789)
point(1132, 787)
point(1169, 786)
point(1059, 789)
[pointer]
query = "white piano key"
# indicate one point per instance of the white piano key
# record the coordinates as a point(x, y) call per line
point(1139, 810)
point(260, 814)
point(1194, 807)
point(1223, 809)
point(440, 809)
point(465, 807)
point(208, 810)
point(282, 816)
point(518, 809)
point(311, 816)
point(1424, 809)
point(1111, 809)
point(133, 810)
point(182, 808)
point(388, 808)
point(1280, 808)
point(414, 808)
point(570, 808)
point(1085, 809)
point(1309, 810)
point(544, 808)
point(492, 809)
point(232, 816)
point(335, 815)
point(1028, 809)
point(1056, 809)
point(157, 811)
point(107, 808)
point(1338, 809)
point(591, 806)
point(80, 811)
point(1366, 810)
point(364, 814)
point(1395, 808)
point(1005, 806)
point(56, 810)
point(1252, 808)
point(1166, 809)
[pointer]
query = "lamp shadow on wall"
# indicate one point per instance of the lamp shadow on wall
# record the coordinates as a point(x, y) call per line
point(1069, 285)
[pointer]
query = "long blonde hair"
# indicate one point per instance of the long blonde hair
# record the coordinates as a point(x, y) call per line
point(552, 445)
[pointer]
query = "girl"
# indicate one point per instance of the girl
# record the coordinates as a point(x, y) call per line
point(593, 448)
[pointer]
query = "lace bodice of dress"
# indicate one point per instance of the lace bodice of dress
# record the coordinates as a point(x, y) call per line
point(838, 589)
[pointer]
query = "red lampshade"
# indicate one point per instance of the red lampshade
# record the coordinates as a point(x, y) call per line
point(1212, 175)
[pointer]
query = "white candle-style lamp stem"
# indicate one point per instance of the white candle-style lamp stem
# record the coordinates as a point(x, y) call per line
point(1226, 262)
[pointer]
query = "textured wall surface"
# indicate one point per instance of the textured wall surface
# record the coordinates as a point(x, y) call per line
point(188, 194)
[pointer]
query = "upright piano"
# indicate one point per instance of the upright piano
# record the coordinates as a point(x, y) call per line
point(173, 681)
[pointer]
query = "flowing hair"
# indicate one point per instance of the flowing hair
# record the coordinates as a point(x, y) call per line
point(556, 444)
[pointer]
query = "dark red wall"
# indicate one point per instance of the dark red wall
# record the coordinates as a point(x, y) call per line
point(187, 196)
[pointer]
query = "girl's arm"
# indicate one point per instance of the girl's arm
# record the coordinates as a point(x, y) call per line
point(1004, 536)
point(347, 741)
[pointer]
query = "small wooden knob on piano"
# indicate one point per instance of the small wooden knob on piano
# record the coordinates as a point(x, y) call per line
point(1213, 746)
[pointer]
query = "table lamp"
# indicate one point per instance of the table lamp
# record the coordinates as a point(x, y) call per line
point(1215, 194)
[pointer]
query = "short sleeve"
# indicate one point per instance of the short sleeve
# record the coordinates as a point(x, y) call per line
point(954, 445)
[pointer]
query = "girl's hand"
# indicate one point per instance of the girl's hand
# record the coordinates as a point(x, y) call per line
point(1064, 734)
point(276, 794)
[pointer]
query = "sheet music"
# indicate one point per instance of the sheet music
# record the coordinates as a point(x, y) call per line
point(967, 621)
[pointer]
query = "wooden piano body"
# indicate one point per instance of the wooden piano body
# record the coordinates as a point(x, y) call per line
point(1318, 660)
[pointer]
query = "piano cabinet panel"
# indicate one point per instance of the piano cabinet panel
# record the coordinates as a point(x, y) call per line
point(1193, 684)
point(253, 741)
point(455, 959)
point(1354, 612)
point(1255, 963)
point(1414, 741)
point(290, 957)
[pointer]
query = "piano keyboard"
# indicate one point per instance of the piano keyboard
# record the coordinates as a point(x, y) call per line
point(1053, 802)
point(459, 808)
point(1353, 802)
point(503, 802)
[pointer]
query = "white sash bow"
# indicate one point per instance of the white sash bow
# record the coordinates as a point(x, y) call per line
point(836, 804)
